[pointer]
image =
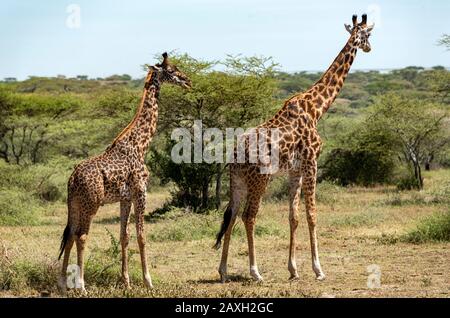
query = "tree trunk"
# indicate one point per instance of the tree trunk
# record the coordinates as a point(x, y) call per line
point(418, 175)
point(205, 195)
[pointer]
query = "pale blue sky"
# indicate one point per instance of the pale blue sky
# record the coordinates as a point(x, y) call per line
point(119, 36)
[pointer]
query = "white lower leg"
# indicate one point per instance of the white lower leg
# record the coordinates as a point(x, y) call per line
point(81, 285)
point(255, 273)
point(148, 280)
point(315, 256)
point(292, 266)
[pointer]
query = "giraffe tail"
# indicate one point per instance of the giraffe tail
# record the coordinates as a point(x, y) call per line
point(64, 239)
point(226, 222)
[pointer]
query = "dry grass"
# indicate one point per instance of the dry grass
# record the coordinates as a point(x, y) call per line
point(351, 223)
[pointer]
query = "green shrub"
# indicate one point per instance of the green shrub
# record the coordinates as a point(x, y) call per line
point(328, 192)
point(435, 228)
point(278, 189)
point(356, 167)
point(44, 182)
point(407, 182)
point(22, 274)
point(18, 208)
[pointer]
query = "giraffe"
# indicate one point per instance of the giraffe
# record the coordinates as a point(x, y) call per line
point(117, 175)
point(299, 146)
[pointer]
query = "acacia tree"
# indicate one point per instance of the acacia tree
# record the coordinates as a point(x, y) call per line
point(21, 140)
point(416, 127)
point(236, 92)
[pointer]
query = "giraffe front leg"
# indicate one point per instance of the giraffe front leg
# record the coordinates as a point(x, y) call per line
point(249, 218)
point(139, 207)
point(125, 207)
point(309, 188)
point(295, 182)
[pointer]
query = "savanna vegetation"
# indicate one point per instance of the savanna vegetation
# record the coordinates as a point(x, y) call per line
point(384, 181)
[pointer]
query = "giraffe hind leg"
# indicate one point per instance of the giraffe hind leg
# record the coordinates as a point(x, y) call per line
point(62, 282)
point(67, 241)
point(238, 190)
point(88, 210)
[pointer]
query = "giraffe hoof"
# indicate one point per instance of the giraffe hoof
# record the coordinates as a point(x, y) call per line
point(320, 277)
point(62, 286)
point(258, 278)
point(148, 283)
point(223, 278)
point(294, 277)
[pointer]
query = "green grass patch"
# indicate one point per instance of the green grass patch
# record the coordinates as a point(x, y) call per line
point(21, 275)
point(365, 218)
point(179, 225)
point(435, 228)
point(18, 208)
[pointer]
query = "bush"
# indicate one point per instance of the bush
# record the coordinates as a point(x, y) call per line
point(435, 228)
point(328, 192)
point(356, 167)
point(278, 189)
point(22, 274)
point(407, 182)
point(18, 208)
point(44, 182)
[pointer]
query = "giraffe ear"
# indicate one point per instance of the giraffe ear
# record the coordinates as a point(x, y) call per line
point(156, 67)
point(348, 28)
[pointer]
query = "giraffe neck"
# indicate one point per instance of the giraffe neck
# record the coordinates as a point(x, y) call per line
point(327, 88)
point(139, 132)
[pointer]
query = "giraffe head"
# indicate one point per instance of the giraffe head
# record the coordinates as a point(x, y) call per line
point(166, 72)
point(360, 32)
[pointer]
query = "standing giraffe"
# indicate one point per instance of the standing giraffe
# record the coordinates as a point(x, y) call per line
point(299, 145)
point(119, 174)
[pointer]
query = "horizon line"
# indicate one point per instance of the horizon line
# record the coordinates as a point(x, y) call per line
point(364, 70)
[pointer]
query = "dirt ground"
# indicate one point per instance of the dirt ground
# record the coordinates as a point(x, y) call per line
point(354, 227)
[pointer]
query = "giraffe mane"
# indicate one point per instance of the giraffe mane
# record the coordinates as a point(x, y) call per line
point(135, 118)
